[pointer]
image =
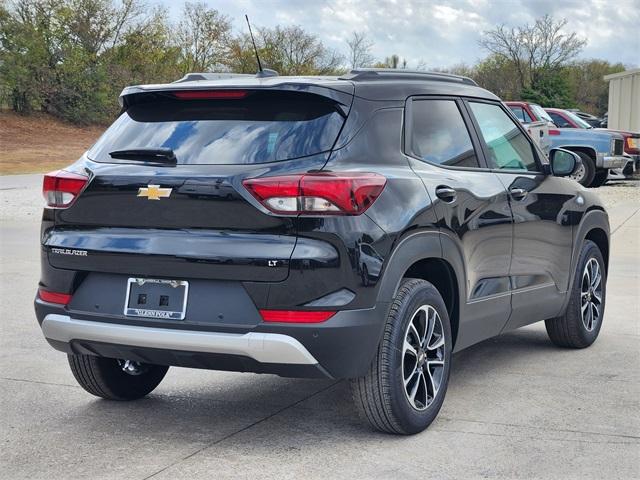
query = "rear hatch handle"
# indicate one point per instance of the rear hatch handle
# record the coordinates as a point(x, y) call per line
point(159, 156)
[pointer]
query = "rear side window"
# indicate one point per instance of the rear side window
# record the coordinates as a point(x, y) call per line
point(262, 127)
point(559, 120)
point(507, 145)
point(439, 134)
point(521, 114)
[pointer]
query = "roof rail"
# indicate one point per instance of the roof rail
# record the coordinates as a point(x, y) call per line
point(192, 77)
point(401, 74)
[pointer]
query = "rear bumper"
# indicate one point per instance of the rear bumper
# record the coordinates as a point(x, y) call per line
point(342, 347)
point(262, 347)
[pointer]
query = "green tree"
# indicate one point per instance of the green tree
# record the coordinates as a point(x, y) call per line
point(588, 88)
point(146, 54)
point(54, 55)
point(29, 52)
point(550, 89)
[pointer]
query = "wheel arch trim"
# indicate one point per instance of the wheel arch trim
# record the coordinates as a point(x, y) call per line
point(418, 246)
point(594, 219)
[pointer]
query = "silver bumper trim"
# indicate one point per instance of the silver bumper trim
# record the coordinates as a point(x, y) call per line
point(614, 161)
point(263, 347)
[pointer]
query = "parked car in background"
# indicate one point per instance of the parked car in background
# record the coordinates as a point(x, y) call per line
point(537, 129)
point(605, 120)
point(587, 117)
point(529, 112)
point(539, 132)
point(600, 150)
point(631, 148)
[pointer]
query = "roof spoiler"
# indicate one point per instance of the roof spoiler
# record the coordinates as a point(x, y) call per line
point(195, 76)
point(402, 74)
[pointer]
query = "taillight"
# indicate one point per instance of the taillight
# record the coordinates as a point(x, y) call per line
point(296, 316)
point(553, 131)
point(61, 188)
point(54, 297)
point(209, 94)
point(330, 193)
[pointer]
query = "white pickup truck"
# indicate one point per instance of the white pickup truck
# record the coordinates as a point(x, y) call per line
point(539, 131)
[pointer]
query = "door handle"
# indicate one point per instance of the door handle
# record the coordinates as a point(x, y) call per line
point(446, 194)
point(518, 193)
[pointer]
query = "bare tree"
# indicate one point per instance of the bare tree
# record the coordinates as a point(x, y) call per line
point(97, 25)
point(203, 36)
point(292, 51)
point(533, 48)
point(360, 50)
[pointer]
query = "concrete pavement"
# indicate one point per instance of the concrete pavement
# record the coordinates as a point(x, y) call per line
point(517, 407)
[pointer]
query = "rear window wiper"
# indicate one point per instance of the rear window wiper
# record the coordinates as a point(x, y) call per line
point(163, 156)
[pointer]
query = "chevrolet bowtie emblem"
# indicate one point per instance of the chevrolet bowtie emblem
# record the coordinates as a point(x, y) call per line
point(154, 192)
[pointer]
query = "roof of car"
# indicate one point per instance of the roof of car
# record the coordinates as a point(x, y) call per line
point(373, 84)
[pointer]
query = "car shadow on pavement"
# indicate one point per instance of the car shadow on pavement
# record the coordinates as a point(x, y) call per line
point(199, 410)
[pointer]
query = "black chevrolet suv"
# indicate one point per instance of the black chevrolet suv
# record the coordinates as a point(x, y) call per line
point(361, 227)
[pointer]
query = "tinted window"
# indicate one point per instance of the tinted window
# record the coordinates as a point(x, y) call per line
point(521, 114)
point(262, 127)
point(518, 112)
point(509, 147)
point(439, 134)
point(540, 112)
point(559, 120)
point(577, 120)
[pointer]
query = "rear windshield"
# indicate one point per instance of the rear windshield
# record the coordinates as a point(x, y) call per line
point(262, 127)
point(539, 111)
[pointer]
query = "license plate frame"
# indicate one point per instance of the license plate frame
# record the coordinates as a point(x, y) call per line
point(157, 286)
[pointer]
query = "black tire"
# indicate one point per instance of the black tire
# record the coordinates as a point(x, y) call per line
point(589, 170)
point(105, 377)
point(569, 330)
point(380, 395)
point(600, 178)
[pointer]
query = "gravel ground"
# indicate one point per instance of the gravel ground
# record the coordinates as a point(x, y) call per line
point(616, 192)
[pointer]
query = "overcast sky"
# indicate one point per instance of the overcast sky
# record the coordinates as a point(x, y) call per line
point(441, 33)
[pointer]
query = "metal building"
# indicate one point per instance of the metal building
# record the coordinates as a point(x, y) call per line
point(624, 100)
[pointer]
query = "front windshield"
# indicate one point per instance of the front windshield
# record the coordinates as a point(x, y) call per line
point(540, 113)
point(578, 121)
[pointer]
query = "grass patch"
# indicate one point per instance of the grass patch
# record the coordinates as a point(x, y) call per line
point(39, 143)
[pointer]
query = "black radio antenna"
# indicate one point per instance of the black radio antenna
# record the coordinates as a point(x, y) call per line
point(255, 49)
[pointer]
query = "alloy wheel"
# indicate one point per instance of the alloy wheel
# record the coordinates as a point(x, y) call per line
point(423, 357)
point(591, 295)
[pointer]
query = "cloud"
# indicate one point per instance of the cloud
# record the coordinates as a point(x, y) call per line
point(440, 33)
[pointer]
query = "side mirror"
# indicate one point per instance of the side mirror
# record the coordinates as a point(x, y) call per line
point(563, 162)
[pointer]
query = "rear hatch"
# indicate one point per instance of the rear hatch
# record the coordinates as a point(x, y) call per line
point(165, 195)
